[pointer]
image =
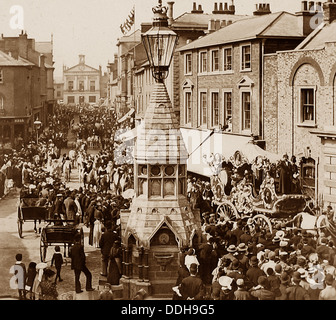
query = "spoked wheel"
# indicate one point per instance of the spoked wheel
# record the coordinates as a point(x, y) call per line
point(228, 211)
point(43, 245)
point(321, 223)
point(262, 222)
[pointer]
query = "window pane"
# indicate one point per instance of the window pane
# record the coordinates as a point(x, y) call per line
point(215, 109)
point(246, 111)
point(203, 108)
point(215, 62)
point(246, 57)
point(227, 105)
point(228, 59)
point(188, 107)
point(307, 105)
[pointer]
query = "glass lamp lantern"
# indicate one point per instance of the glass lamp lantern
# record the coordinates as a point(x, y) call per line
point(159, 43)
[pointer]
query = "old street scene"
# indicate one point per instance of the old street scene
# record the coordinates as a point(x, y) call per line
point(195, 161)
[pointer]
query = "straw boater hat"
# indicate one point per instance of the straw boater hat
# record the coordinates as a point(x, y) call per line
point(225, 282)
point(242, 247)
point(232, 248)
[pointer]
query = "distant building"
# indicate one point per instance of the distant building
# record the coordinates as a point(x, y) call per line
point(81, 84)
point(59, 89)
point(26, 87)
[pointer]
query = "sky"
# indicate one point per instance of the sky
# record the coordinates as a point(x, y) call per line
point(91, 27)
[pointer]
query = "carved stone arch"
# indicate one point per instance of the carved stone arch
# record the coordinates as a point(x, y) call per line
point(129, 236)
point(165, 221)
point(301, 62)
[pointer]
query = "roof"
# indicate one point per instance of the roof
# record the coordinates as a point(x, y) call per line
point(190, 20)
point(80, 67)
point(318, 38)
point(133, 37)
point(7, 60)
point(280, 24)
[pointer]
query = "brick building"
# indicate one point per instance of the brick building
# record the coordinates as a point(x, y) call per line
point(221, 81)
point(301, 96)
point(26, 87)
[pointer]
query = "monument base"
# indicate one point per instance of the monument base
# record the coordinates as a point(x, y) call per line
point(132, 286)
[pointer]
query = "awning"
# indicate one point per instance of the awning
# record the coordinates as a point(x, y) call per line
point(126, 116)
point(130, 134)
point(204, 142)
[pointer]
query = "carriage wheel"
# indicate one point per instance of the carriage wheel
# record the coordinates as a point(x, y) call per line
point(321, 223)
point(43, 245)
point(20, 223)
point(228, 211)
point(263, 222)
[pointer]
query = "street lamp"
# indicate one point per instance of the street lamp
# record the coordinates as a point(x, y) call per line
point(37, 124)
point(159, 43)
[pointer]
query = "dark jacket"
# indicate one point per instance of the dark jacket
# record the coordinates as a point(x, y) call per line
point(77, 255)
point(192, 287)
point(57, 259)
point(106, 241)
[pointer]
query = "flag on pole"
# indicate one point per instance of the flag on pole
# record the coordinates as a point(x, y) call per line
point(127, 25)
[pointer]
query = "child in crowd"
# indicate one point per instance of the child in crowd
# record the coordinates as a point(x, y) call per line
point(58, 260)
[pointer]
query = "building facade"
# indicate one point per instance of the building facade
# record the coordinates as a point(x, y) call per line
point(26, 87)
point(81, 84)
point(302, 87)
point(222, 78)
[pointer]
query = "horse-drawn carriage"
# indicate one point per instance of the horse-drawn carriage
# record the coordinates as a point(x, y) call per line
point(57, 232)
point(30, 208)
point(244, 189)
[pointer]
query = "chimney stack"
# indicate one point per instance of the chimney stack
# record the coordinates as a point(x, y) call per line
point(199, 10)
point(211, 26)
point(262, 9)
point(170, 12)
point(306, 16)
point(329, 11)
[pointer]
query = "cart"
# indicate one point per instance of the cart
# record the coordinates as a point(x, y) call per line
point(29, 211)
point(54, 234)
point(243, 200)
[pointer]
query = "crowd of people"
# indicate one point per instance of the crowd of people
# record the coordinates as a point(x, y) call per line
point(235, 261)
point(238, 260)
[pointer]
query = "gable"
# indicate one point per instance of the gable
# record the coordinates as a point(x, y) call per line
point(81, 68)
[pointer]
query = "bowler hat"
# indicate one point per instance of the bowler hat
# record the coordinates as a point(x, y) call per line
point(284, 278)
point(329, 279)
point(193, 268)
point(254, 261)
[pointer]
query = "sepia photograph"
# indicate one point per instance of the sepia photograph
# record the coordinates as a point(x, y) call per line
point(175, 152)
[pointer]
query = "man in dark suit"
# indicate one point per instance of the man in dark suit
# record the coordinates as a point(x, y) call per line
point(106, 241)
point(192, 287)
point(78, 264)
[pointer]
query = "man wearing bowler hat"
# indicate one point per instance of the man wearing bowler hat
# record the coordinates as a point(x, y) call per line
point(254, 272)
point(192, 287)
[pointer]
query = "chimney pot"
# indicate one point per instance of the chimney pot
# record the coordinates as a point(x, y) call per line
point(200, 10)
point(223, 23)
point(226, 8)
point(304, 6)
point(311, 6)
point(194, 6)
point(215, 6)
